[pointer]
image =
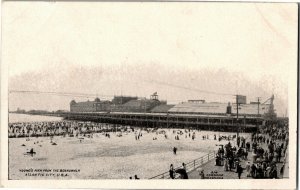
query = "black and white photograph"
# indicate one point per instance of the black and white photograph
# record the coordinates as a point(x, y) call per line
point(163, 91)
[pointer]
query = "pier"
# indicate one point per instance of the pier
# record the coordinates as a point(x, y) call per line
point(169, 120)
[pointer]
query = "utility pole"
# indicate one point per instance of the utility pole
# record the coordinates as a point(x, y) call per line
point(145, 105)
point(237, 115)
point(258, 102)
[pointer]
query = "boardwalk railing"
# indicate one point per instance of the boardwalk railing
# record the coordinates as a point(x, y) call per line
point(189, 166)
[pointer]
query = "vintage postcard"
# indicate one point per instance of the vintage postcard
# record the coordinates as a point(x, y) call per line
point(146, 95)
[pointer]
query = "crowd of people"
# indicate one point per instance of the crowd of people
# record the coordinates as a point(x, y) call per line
point(182, 170)
point(266, 147)
point(62, 128)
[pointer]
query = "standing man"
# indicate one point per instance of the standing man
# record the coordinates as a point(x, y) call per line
point(171, 171)
point(239, 170)
point(174, 150)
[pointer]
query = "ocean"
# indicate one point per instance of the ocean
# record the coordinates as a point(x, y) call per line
point(14, 118)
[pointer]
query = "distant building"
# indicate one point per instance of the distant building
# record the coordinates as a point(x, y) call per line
point(154, 105)
point(141, 105)
point(89, 106)
point(118, 104)
point(216, 108)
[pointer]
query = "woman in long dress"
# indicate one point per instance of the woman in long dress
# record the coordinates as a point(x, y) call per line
point(226, 164)
point(248, 166)
point(171, 172)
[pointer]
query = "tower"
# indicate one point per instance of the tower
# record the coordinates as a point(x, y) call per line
point(154, 96)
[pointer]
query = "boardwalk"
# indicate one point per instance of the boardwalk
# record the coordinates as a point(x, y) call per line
point(210, 169)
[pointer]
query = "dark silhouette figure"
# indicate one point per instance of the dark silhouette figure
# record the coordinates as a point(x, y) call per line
point(174, 150)
point(239, 170)
point(135, 177)
point(171, 171)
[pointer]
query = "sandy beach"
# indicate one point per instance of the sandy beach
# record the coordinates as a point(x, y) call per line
point(116, 157)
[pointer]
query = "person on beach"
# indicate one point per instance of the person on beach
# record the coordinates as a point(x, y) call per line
point(226, 164)
point(218, 160)
point(171, 172)
point(201, 174)
point(184, 166)
point(185, 175)
point(230, 161)
point(182, 171)
point(259, 172)
point(273, 172)
point(238, 141)
point(239, 170)
point(135, 177)
point(253, 171)
point(267, 172)
point(174, 150)
point(248, 146)
point(245, 155)
point(248, 167)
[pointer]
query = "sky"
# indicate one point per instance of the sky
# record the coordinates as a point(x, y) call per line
point(176, 49)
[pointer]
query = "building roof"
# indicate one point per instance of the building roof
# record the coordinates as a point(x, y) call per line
point(136, 103)
point(163, 108)
point(219, 108)
point(87, 103)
